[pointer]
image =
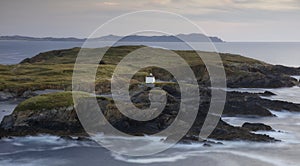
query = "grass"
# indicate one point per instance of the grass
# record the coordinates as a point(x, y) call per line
point(54, 69)
point(49, 101)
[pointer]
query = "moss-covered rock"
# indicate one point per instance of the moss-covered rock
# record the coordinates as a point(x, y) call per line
point(50, 113)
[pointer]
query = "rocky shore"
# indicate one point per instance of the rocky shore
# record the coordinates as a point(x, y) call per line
point(36, 115)
point(55, 113)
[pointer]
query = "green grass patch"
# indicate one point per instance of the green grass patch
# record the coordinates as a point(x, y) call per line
point(49, 101)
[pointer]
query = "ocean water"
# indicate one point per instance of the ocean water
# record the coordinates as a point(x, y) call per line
point(284, 53)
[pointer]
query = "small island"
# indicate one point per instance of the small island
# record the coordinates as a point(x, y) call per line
point(54, 113)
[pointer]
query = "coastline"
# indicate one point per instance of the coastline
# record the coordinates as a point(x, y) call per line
point(240, 72)
point(243, 148)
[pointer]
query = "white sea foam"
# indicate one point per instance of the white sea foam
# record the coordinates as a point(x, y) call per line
point(150, 160)
point(41, 143)
point(290, 94)
point(296, 77)
point(31, 162)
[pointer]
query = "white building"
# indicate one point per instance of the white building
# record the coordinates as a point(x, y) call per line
point(150, 79)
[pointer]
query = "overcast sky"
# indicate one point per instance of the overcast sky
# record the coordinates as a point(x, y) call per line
point(232, 20)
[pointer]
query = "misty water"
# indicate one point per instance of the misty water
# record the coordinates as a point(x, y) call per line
point(283, 53)
point(52, 151)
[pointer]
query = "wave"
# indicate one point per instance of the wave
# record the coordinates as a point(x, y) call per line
point(40, 143)
point(31, 162)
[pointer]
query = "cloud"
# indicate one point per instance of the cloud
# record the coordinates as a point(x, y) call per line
point(111, 3)
point(272, 5)
point(161, 2)
point(220, 17)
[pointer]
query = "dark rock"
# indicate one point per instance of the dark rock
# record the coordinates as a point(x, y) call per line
point(280, 105)
point(256, 127)
point(252, 105)
point(211, 143)
point(102, 62)
point(63, 121)
point(226, 132)
point(28, 94)
point(207, 145)
point(268, 93)
point(83, 139)
point(5, 95)
point(244, 104)
point(66, 137)
point(286, 70)
point(260, 75)
point(8, 122)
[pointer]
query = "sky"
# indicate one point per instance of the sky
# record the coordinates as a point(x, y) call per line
point(231, 20)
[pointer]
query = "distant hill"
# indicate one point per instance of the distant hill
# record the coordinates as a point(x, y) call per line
point(16, 37)
point(194, 37)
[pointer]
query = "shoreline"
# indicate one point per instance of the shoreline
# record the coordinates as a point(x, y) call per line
point(37, 115)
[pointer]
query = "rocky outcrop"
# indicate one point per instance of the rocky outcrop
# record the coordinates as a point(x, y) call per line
point(251, 104)
point(256, 127)
point(52, 113)
point(59, 121)
point(286, 70)
point(36, 115)
point(260, 75)
point(234, 133)
point(4, 95)
point(256, 80)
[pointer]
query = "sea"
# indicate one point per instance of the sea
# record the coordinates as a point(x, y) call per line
point(281, 53)
point(49, 150)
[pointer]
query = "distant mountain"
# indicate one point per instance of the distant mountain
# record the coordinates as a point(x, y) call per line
point(194, 37)
point(16, 37)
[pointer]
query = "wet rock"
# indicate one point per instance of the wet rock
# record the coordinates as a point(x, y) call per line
point(280, 105)
point(268, 93)
point(207, 145)
point(256, 127)
point(63, 120)
point(28, 94)
point(8, 122)
point(65, 137)
point(5, 95)
point(252, 105)
point(83, 139)
point(226, 132)
point(244, 104)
